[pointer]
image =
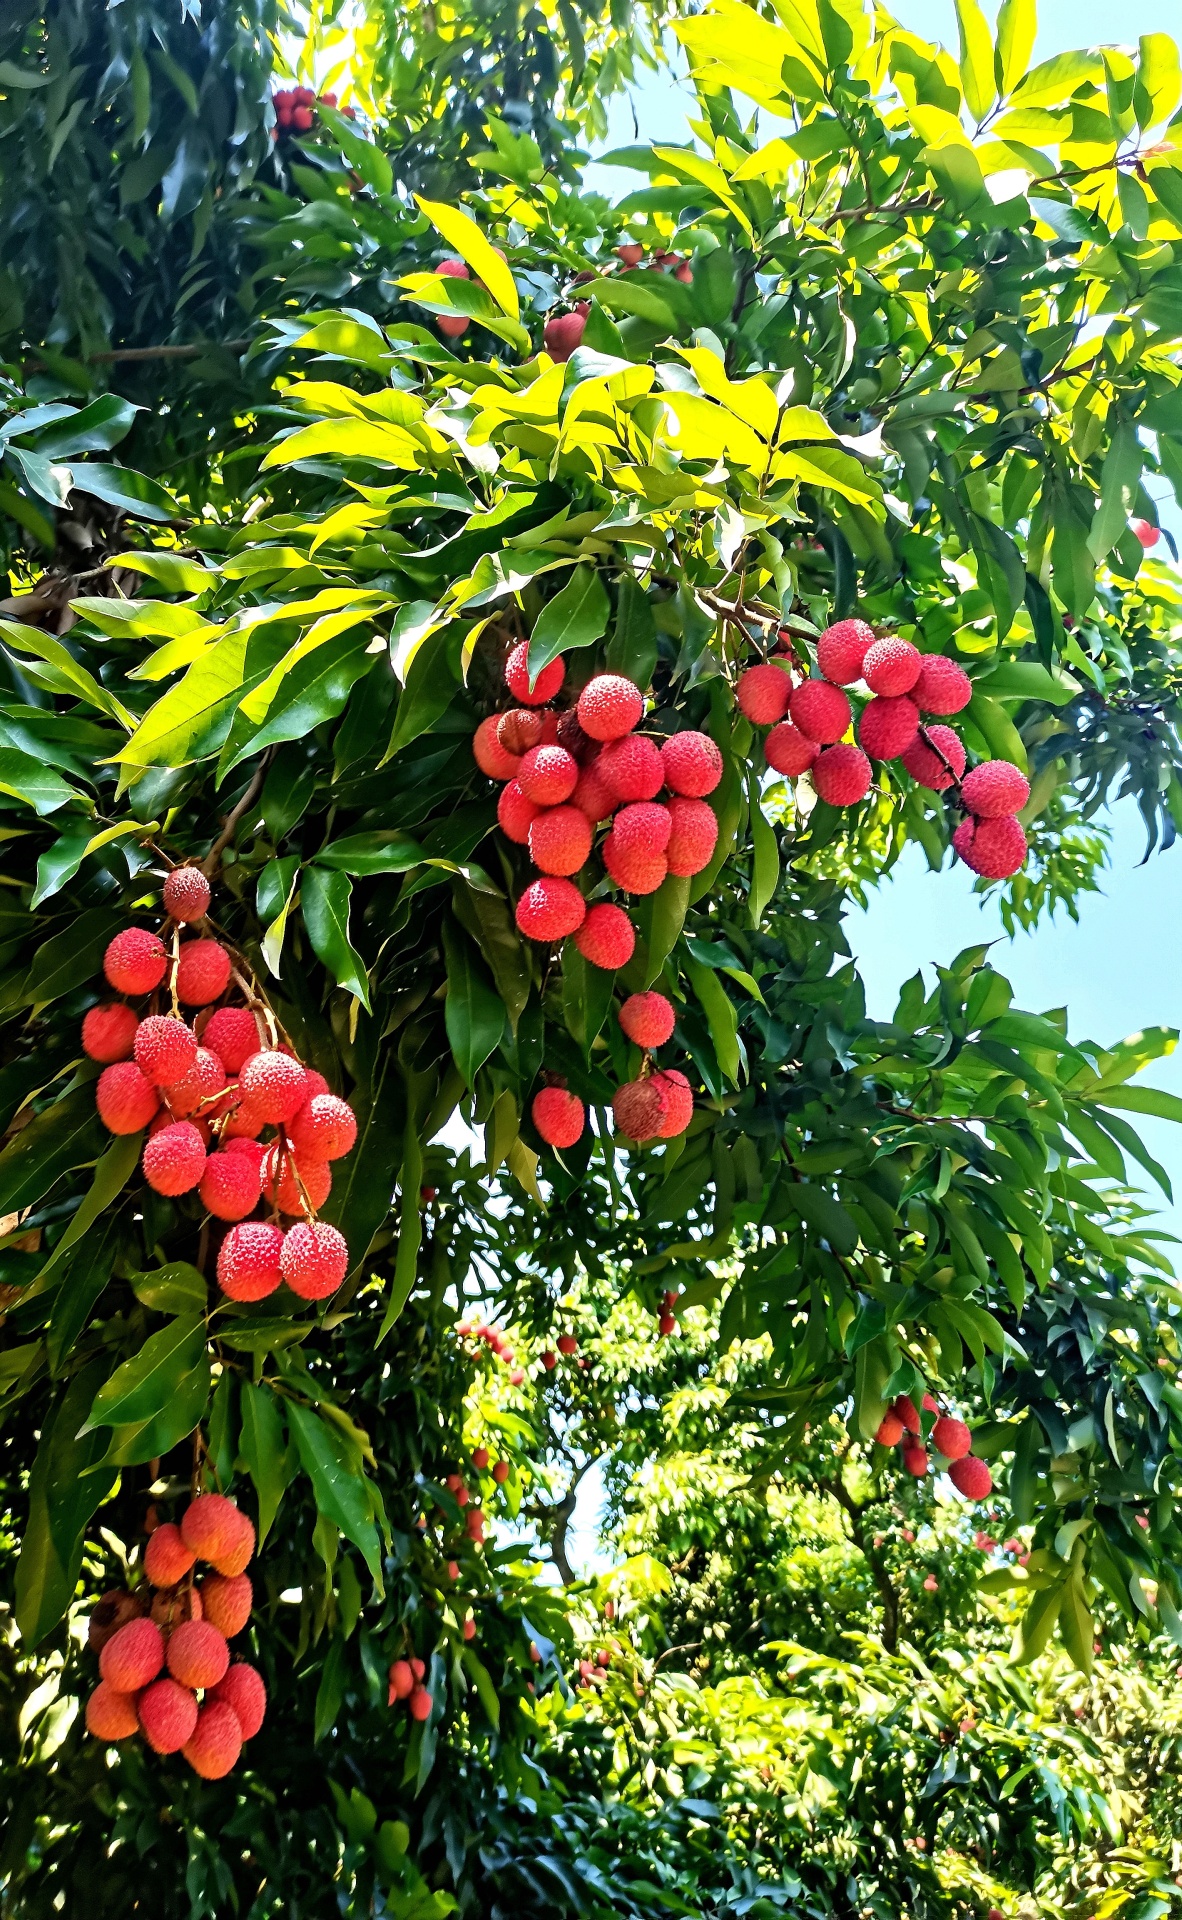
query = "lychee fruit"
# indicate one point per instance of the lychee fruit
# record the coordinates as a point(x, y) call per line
point(517, 679)
point(135, 961)
point(550, 909)
point(226, 1602)
point(519, 730)
point(915, 1459)
point(1146, 532)
point(230, 1185)
point(892, 666)
point(820, 711)
point(315, 1259)
point(219, 1531)
point(108, 1032)
point(402, 1681)
point(993, 848)
point(607, 937)
point(995, 788)
point(242, 1690)
point(419, 1704)
point(166, 1557)
point(232, 1033)
point(905, 1410)
point(563, 332)
point(248, 1260)
point(951, 1437)
point(593, 796)
point(569, 734)
point(480, 1458)
point(216, 1741)
point(167, 1715)
point(632, 767)
point(788, 750)
point(490, 756)
point(275, 1085)
point(174, 1158)
point(841, 650)
point(132, 1656)
point(186, 894)
point(925, 764)
point(693, 838)
point(548, 775)
point(609, 706)
point(111, 1716)
point(113, 1611)
point(841, 775)
point(971, 1477)
point(558, 1116)
point(165, 1049)
point(293, 1184)
point(890, 1430)
point(678, 1097)
point(633, 869)
point(245, 1122)
point(647, 1019)
point(763, 693)
point(202, 973)
point(516, 814)
point(640, 1107)
point(325, 1128)
point(171, 1605)
point(560, 840)
point(567, 1343)
point(642, 828)
point(942, 687)
point(253, 1149)
point(205, 1079)
point(888, 727)
point(500, 1472)
point(692, 763)
point(197, 1654)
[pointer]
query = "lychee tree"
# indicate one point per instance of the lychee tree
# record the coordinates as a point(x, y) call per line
point(795, 508)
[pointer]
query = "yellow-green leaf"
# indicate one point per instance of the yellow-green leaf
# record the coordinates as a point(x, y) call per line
point(461, 232)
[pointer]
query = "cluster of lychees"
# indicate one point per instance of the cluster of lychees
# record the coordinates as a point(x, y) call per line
point(497, 1343)
point(295, 109)
point(406, 1683)
point(565, 774)
point(208, 1089)
point(809, 719)
point(158, 1650)
point(950, 1438)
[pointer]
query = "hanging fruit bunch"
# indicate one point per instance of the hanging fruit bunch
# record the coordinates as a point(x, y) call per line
point(232, 1115)
point(902, 1426)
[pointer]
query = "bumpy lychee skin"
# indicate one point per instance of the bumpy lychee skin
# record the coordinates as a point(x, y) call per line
point(205, 1078)
point(995, 788)
point(648, 1019)
point(243, 1692)
point(197, 1654)
point(490, 756)
point(841, 650)
point(174, 1158)
point(517, 678)
point(842, 775)
point(951, 1437)
point(610, 706)
point(226, 1602)
point(550, 909)
point(693, 764)
point(216, 1741)
point(993, 848)
point(186, 894)
point(925, 764)
point(643, 828)
point(593, 796)
point(230, 1186)
point(108, 1032)
point(135, 961)
point(788, 750)
point(693, 837)
point(632, 869)
point(218, 1531)
point(762, 694)
point(325, 1128)
point(888, 726)
point(133, 1656)
point(904, 1409)
point(402, 1681)
point(892, 666)
point(167, 1715)
point(548, 775)
point(125, 1100)
point(315, 1259)
point(678, 1097)
point(820, 711)
point(166, 1557)
point(516, 814)
point(202, 973)
point(245, 1121)
point(559, 1116)
point(915, 1459)
point(560, 840)
point(519, 730)
point(254, 1150)
point(607, 937)
point(294, 1183)
point(890, 1430)
point(165, 1049)
point(971, 1477)
point(111, 1716)
point(942, 687)
point(632, 767)
point(275, 1084)
point(569, 734)
point(248, 1260)
point(640, 1108)
point(232, 1033)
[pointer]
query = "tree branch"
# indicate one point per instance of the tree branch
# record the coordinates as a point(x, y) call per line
point(837, 1488)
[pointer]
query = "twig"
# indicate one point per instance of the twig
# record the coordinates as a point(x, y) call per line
point(209, 865)
point(153, 353)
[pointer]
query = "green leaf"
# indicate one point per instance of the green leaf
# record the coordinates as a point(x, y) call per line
point(148, 1439)
point(177, 1288)
point(586, 1001)
point(487, 917)
point(264, 1451)
point(111, 1175)
point(341, 1495)
point(362, 854)
point(1164, 1106)
point(481, 1679)
point(765, 854)
point(461, 232)
point(363, 1183)
point(33, 782)
point(324, 901)
point(172, 571)
point(133, 493)
point(576, 617)
point(95, 428)
point(1038, 1624)
point(71, 958)
point(1159, 80)
point(67, 674)
point(85, 1279)
point(474, 1012)
point(632, 649)
point(1017, 26)
point(720, 1017)
point(67, 1135)
point(143, 1386)
point(976, 59)
point(64, 1491)
point(331, 1691)
point(60, 862)
point(663, 923)
point(1119, 480)
point(997, 729)
point(314, 688)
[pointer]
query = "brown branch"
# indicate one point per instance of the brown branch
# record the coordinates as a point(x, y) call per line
point(124, 354)
point(209, 865)
point(837, 1488)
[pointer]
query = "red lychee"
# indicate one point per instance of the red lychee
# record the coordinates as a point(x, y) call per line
point(763, 693)
point(197, 1654)
point(165, 1049)
point(135, 961)
point(607, 937)
point(543, 688)
point(788, 750)
point(275, 1085)
point(563, 332)
point(230, 1186)
point(202, 972)
point(841, 775)
point(325, 1128)
point(490, 756)
point(648, 1019)
point(166, 1557)
point(1146, 532)
point(167, 1715)
point(905, 1410)
point(609, 706)
point(558, 1116)
point(108, 1032)
point(226, 1602)
point(634, 870)
point(642, 828)
point(951, 1437)
point(218, 1530)
point(248, 1260)
point(693, 764)
point(315, 1259)
point(971, 1477)
point(560, 840)
point(820, 711)
point(111, 1716)
point(942, 687)
point(294, 1184)
point(186, 894)
point(993, 848)
point(548, 775)
point(216, 1741)
point(693, 838)
point(174, 1158)
point(233, 1034)
point(915, 1459)
point(994, 789)
point(666, 1324)
point(640, 1108)
point(550, 909)
point(132, 1656)
point(632, 767)
point(888, 726)
point(205, 1079)
point(500, 1472)
point(892, 666)
point(245, 1121)
point(890, 1430)
point(678, 1096)
point(242, 1690)
point(516, 814)
point(593, 796)
point(420, 1704)
point(841, 650)
point(402, 1681)
point(925, 764)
